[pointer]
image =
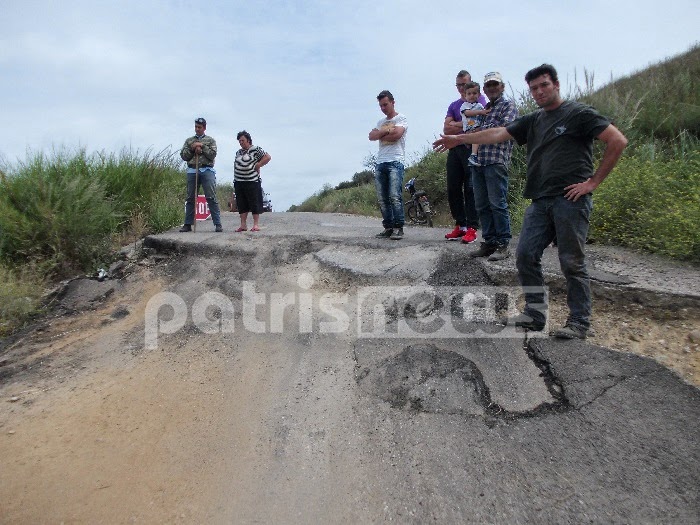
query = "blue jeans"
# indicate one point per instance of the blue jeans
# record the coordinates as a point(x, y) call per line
point(388, 179)
point(491, 197)
point(460, 193)
point(545, 219)
point(207, 180)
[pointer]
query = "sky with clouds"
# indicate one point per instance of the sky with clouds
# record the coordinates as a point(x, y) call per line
point(301, 76)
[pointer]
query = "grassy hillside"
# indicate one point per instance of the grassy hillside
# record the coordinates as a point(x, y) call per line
point(659, 101)
point(650, 202)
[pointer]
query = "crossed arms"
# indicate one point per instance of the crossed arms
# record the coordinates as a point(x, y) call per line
point(387, 134)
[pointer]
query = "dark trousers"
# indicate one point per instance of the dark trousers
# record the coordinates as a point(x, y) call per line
point(460, 193)
point(545, 219)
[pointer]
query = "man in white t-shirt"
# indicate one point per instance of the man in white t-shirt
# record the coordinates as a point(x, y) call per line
point(388, 173)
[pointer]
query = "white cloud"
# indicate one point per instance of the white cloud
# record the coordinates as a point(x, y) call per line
point(300, 77)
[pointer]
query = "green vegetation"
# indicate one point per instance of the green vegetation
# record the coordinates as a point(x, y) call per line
point(20, 296)
point(66, 212)
point(655, 103)
point(224, 193)
point(358, 200)
point(356, 196)
point(650, 202)
point(63, 212)
point(653, 205)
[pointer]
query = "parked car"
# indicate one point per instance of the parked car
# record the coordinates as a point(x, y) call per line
point(267, 203)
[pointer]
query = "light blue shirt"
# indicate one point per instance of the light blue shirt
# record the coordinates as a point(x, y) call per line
point(202, 170)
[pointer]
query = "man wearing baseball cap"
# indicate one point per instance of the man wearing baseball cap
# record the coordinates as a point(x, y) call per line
point(199, 151)
point(490, 179)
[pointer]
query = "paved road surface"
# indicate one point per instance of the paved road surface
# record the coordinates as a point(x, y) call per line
point(333, 377)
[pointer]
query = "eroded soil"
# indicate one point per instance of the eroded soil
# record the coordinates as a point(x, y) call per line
point(86, 414)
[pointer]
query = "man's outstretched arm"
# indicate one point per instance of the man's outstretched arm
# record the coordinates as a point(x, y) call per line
point(487, 136)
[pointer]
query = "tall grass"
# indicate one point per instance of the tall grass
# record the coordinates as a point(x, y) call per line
point(20, 296)
point(655, 103)
point(357, 200)
point(61, 211)
point(146, 187)
point(653, 205)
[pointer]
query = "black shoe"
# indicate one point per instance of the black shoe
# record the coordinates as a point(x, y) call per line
point(397, 235)
point(570, 331)
point(484, 250)
point(218, 228)
point(501, 252)
point(524, 321)
point(186, 228)
point(385, 234)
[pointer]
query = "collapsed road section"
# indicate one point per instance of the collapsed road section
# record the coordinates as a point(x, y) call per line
point(328, 377)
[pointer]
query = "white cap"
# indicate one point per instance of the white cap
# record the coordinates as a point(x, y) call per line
point(493, 75)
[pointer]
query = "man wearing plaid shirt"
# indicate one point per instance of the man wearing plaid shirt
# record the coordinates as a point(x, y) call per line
point(490, 180)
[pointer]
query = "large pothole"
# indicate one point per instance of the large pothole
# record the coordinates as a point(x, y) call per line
point(422, 377)
point(471, 376)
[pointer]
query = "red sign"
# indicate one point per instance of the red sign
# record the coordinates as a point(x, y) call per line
point(201, 209)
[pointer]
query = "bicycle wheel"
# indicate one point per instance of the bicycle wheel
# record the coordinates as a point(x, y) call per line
point(422, 217)
point(412, 213)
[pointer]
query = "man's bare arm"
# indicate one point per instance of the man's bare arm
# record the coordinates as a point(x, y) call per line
point(451, 126)
point(394, 134)
point(377, 134)
point(615, 143)
point(487, 136)
point(389, 134)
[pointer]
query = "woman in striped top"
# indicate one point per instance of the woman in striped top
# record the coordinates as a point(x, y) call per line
point(246, 180)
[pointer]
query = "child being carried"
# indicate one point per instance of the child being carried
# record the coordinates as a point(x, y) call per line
point(472, 115)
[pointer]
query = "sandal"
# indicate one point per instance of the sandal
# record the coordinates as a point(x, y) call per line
point(241, 229)
point(255, 229)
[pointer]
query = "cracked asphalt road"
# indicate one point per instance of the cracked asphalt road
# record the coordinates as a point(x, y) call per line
point(314, 406)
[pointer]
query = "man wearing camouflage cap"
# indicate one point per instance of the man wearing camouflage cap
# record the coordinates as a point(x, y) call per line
point(199, 151)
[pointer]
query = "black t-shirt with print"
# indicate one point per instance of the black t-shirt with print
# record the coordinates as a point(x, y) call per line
point(559, 146)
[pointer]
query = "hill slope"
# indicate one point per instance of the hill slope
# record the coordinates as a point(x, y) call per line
point(659, 101)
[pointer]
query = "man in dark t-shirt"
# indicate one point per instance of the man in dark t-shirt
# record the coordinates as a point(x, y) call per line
point(560, 179)
point(559, 147)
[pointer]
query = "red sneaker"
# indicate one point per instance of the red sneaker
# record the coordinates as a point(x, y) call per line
point(469, 236)
point(454, 234)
